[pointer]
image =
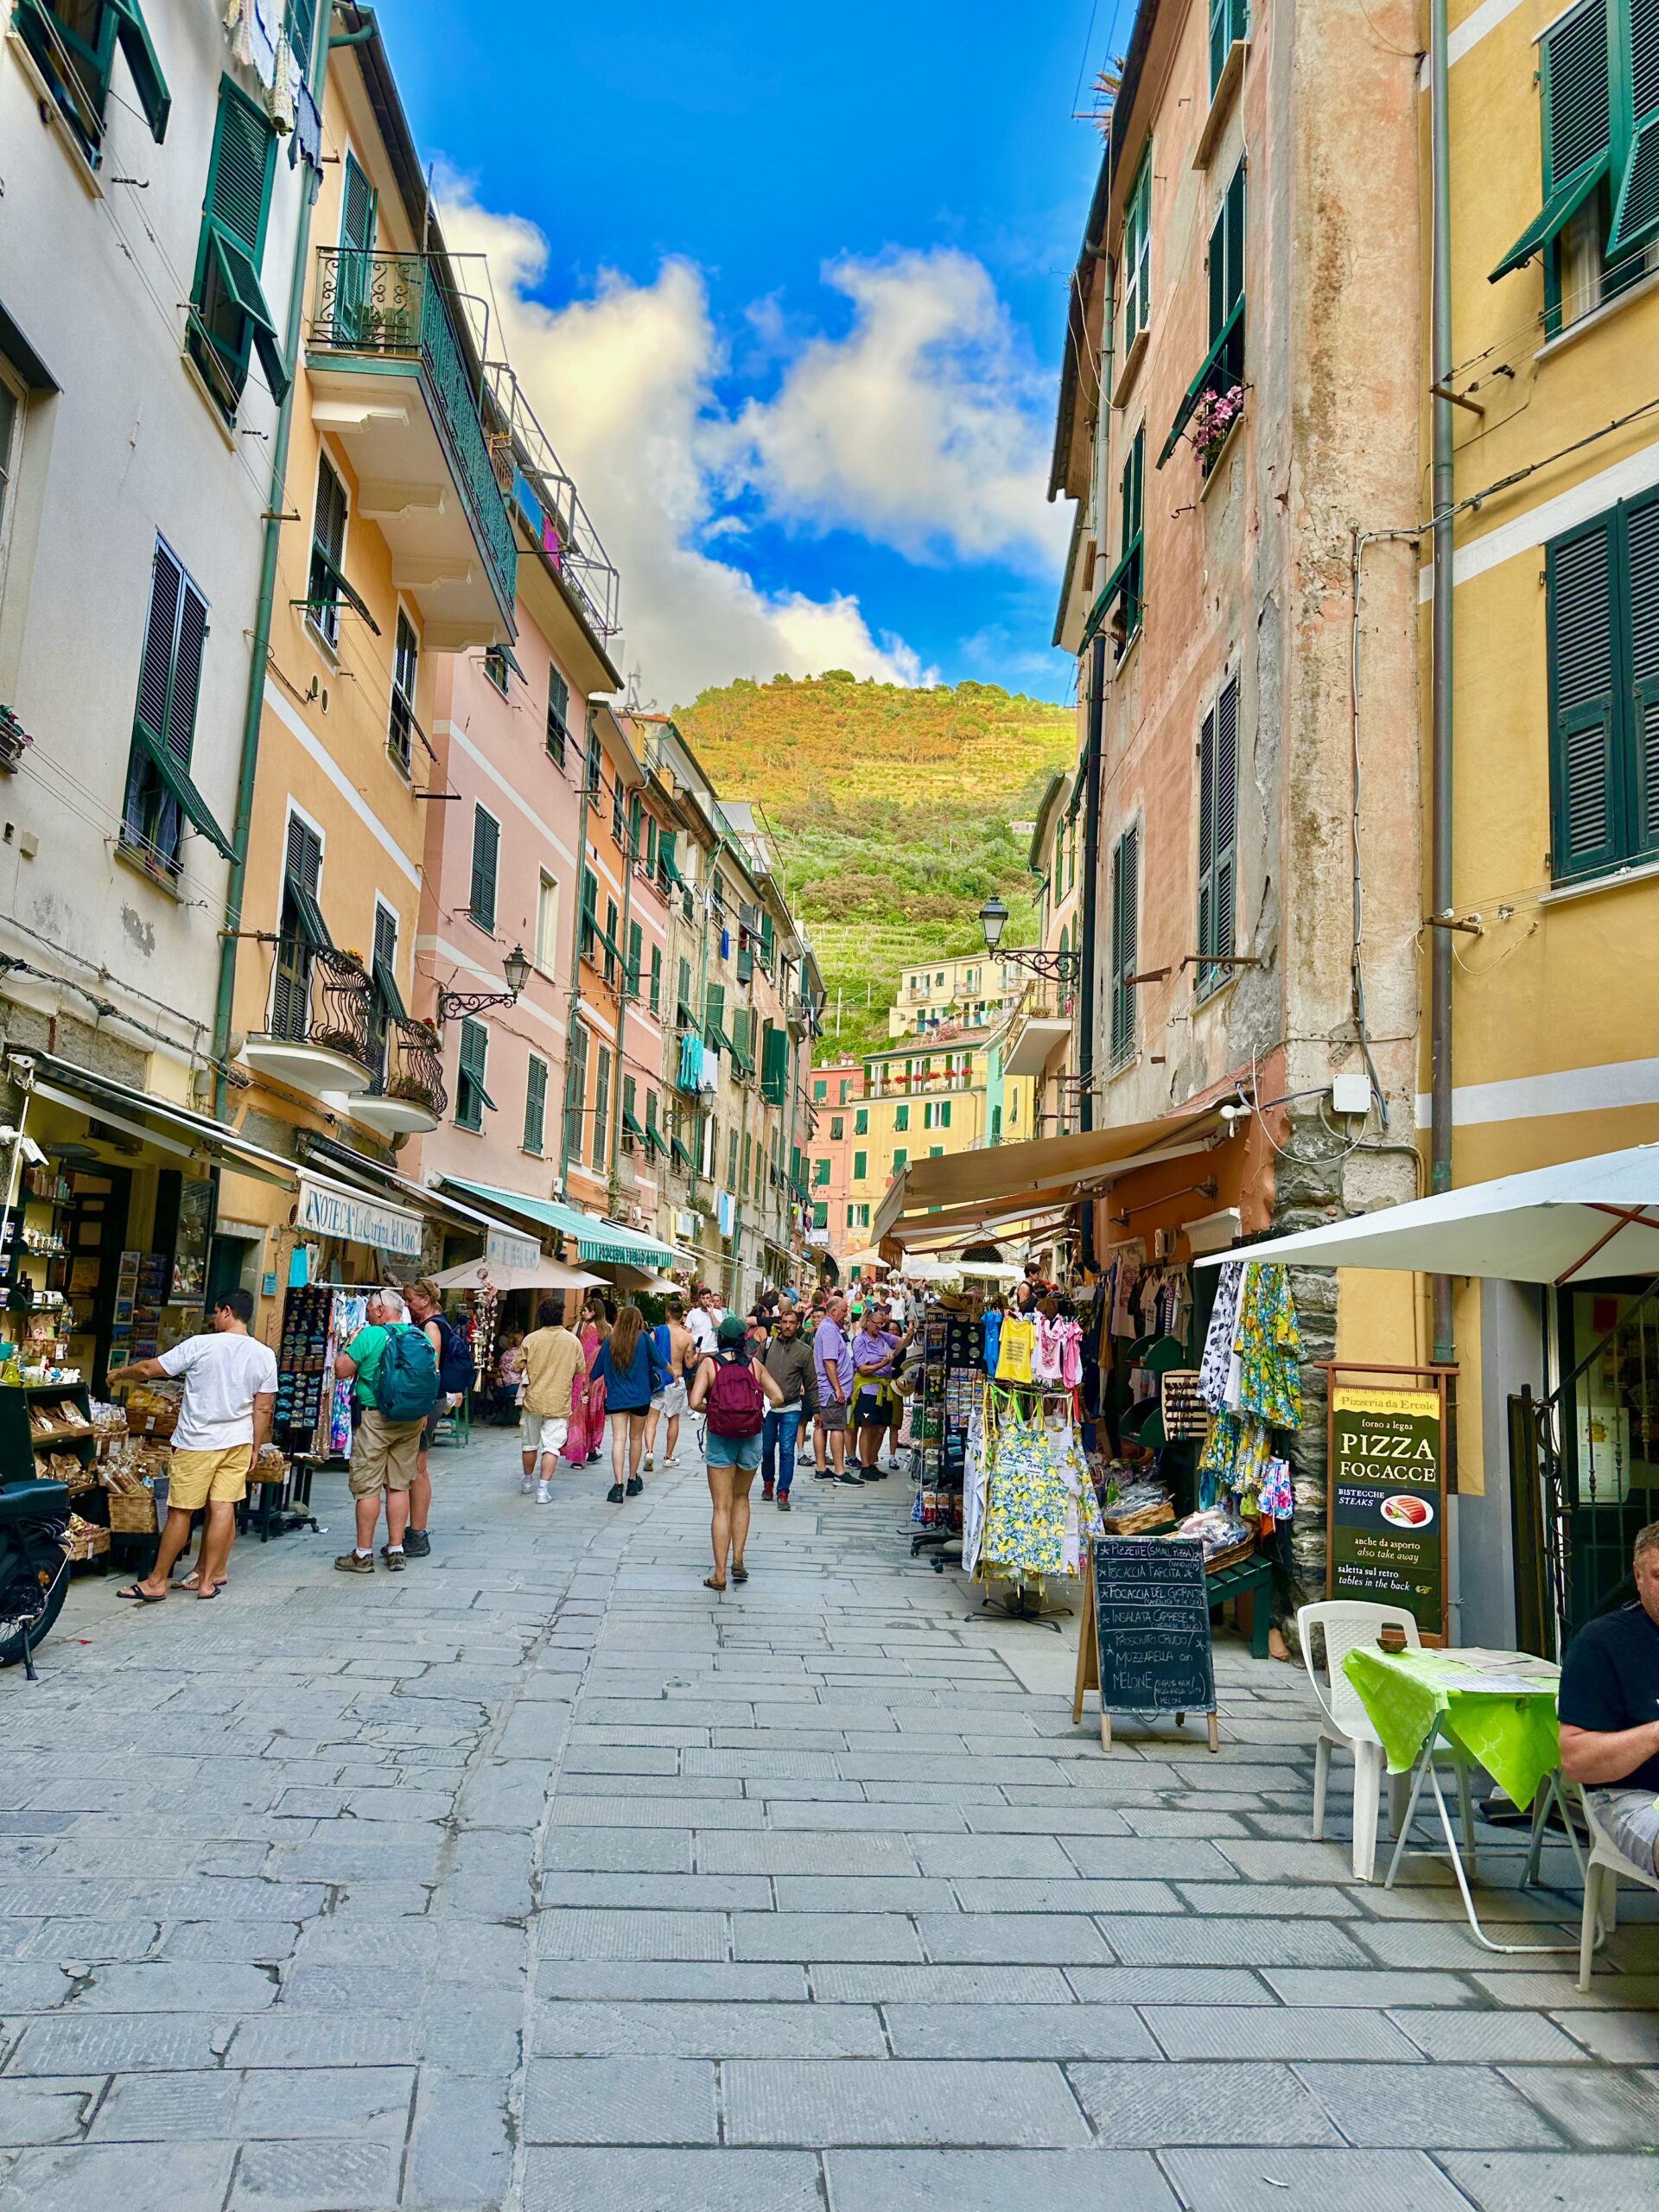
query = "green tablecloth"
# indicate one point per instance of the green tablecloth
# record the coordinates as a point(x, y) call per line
point(1513, 1736)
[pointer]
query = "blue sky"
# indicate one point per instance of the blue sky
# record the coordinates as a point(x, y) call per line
point(788, 290)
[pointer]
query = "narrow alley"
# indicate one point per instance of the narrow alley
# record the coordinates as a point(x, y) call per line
point(543, 1879)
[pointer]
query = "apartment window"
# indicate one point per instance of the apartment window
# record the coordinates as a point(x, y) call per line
point(901, 1117)
point(630, 1129)
point(386, 1000)
point(837, 1128)
point(611, 947)
point(731, 1159)
point(301, 931)
point(535, 1106)
point(860, 1165)
point(1218, 838)
point(636, 827)
point(745, 1174)
point(861, 1122)
point(558, 716)
point(900, 1159)
point(852, 1216)
point(575, 1090)
point(601, 1106)
point(405, 656)
point(657, 979)
point(486, 855)
point(1602, 618)
point(1126, 929)
point(820, 1091)
point(1229, 22)
point(1223, 367)
point(161, 795)
point(229, 318)
point(636, 959)
point(863, 1221)
point(324, 587)
point(820, 1172)
point(820, 1215)
point(496, 667)
point(1137, 253)
point(73, 43)
point(590, 913)
point(845, 1087)
point(619, 799)
point(471, 1096)
point(547, 924)
point(935, 1113)
point(684, 1014)
point(1598, 96)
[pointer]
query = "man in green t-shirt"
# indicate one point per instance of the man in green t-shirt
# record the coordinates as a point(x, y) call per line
point(385, 1454)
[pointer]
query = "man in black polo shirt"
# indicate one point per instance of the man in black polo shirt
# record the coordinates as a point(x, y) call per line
point(1608, 1706)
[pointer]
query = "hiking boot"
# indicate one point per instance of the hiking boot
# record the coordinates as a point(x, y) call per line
point(350, 1563)
point(634, 1486)
point(615, 1495)
point(395, 1560)
point(418, 1544)
point(783, 1501)
point(766, 1491)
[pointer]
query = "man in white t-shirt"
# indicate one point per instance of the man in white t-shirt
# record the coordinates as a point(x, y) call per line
point(230, 1392)
point(703, 1321)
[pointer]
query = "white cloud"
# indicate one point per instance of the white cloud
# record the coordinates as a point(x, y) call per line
point(923, 429)
point(915, 430)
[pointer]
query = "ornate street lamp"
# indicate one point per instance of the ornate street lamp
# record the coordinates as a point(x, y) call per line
point(515, 967)
point(1061, 966)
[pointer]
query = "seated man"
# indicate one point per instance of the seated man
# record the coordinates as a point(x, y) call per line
point(1609, 1706)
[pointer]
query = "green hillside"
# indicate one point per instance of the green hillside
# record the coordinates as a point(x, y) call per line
point(892, 809)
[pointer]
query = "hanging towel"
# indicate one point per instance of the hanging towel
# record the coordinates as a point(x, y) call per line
point(306, 144)
point(279, 100)
point(261, 37)
point(1015, 1346)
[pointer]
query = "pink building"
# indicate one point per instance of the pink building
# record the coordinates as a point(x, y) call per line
point(510, 741)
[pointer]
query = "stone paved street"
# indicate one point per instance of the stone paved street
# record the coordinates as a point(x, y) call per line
point(543, 1879)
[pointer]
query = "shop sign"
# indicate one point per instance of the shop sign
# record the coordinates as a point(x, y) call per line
point(324, 1212)
point(502, 1250)
point(1386, 1536)
point(818, 1236)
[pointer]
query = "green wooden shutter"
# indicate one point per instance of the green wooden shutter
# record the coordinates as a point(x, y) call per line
point(657, 979)
point(231, 314)
point(714, 1012)
point(133, 33)
point(487, 847)
point(1125, 912)
point(1574, 77)
point(1642, 572)
point(156, 668)
point(354, 274)
point(1224, 861)
point(636, 957)
point(901, 1117)
point(471, 1096)
point(1206, 841)
point(589, 930)
point(1581, 604)
point(536, 1105)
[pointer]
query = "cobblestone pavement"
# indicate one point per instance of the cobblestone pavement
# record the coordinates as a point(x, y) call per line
point(543, 1878)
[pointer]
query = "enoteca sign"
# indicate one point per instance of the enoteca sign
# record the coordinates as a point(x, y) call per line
point(326, 1209)
point(502, 1251)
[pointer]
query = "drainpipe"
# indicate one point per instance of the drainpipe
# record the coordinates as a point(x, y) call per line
point(1444, 493)
point(1089, 949)
point(241, 829)
point(576, 956)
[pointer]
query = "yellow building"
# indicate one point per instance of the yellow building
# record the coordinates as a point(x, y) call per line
point(971, 991)
point(1554, 142)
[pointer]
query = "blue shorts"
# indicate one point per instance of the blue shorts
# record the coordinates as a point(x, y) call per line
point(743, 1453)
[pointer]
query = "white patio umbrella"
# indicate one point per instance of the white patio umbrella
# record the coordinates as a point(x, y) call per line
point(488, 1274)
point(1583, 1221)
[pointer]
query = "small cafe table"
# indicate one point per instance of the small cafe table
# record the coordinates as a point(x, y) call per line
point(1494, 1709)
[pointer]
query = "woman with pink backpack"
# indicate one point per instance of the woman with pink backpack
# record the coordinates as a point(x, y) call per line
point(734, 1389)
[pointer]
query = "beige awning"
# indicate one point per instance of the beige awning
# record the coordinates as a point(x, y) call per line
point(1010, 1182)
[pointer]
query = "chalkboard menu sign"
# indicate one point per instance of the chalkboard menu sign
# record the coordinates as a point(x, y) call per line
point(1144, 1639)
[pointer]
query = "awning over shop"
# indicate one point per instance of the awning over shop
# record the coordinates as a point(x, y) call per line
point(155, 1121)
point(595, 1240)
point(504, 1243)
point(354, 1217)
point(1012, 1182)
point(1583, 1221)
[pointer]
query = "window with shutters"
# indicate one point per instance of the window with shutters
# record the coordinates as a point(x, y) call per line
point(162, 798)
point(820, 1091)
point(611, 946)
point(301, 931)
point(229, 318)
point(386, 1000)
point(731, 1158)
point(900, 1159)
point(630, 1116)
point(1602, 602)
point(486, 856)
point(602, 1108)
point(860, 1165)
point(590, 913)
point(619, 803)
point(354, 313)
point(636, 826)
point(746, 1175)
point(636, 959)
point(1137, 253)
point(861, 1122)
point(1217, 839)
point(713, 1014)
point(837, 1128)
point(901, 1117)
point(575, 1091)
point(471, 1096)
point(405, 661)
point(558, 718)
point(1598, 229)
point(1221, 373)
point(1124, 587)
point(535, 1106)
point(820, 1172)
point(683, 1014)
point(496, 667)
point(322, 592)
point(1125, 941)
point(72, 43)
point(1229, 22)
point(821, 1214)
point(547, 924)
point(657, 980)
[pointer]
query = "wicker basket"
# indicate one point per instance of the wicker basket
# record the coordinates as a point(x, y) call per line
point(132, 1513)
point(1138, 1524)
point(1231, 1557)
point(85, 1539)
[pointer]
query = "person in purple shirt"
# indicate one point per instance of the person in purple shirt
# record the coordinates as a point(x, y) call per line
point(832, 1363)
point(874, 1349)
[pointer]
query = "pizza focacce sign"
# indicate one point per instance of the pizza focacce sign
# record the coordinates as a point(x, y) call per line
point(1387, 1499)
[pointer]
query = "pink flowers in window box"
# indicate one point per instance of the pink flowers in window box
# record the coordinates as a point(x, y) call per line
point(1211, 422)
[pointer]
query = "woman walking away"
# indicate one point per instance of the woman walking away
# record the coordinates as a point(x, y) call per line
point(587, 1395)
point(736, 1390)
point(629, 1371)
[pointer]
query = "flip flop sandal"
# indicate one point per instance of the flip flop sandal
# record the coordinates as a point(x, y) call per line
point(709, 1582)
point(192, 1581)
point(202, 1596)
point(142, 1597)
point(740, 1575)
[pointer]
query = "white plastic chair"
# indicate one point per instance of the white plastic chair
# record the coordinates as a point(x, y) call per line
point(1602, 1874)
point(1350, 1624)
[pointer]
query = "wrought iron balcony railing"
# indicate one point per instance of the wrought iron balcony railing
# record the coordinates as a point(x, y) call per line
point(396, 305)
point(322, 998)
point(412, 1067)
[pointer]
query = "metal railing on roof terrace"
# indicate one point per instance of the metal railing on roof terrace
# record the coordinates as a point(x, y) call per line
point(535, 483)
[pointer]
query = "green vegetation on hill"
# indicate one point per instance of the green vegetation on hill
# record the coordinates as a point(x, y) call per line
point(892, 810)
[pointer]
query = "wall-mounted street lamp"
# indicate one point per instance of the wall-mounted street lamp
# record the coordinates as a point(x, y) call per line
point(1060, 966)
point(515, 967)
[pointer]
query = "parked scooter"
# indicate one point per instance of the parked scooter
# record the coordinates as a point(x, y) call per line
point(34, 1570)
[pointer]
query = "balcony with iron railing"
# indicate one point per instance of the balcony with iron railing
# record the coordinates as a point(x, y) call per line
point(375, 316)
point(536, 485)
point(1040, 1027)
point(408, 1096)
point(321, 1032)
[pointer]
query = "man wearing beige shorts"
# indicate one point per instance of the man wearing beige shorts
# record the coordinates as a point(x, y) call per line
point(385, 1454)
point(230, 1389)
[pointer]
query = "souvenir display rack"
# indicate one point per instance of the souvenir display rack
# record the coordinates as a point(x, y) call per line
point(942, 1409)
